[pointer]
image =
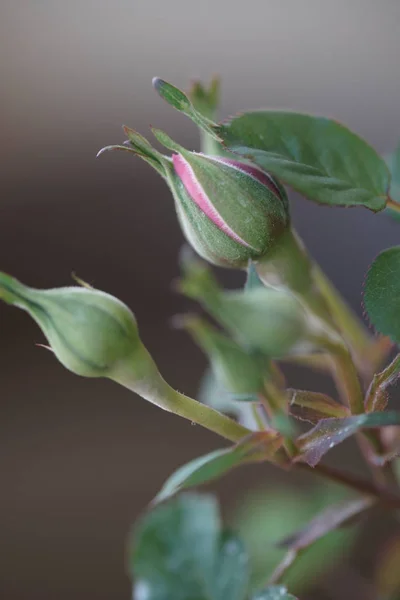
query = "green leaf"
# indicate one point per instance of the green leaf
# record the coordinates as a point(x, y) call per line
point(254, 448)
point(178, 552)
point(318, 157)
point(274, 592)
point(328, 433)
point(382, 293)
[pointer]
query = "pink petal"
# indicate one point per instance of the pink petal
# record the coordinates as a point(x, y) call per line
point(198, 195)
point(252, 170)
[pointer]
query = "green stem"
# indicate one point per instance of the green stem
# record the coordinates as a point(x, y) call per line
point(381, 493)
point(276, 405)
point(283, 566)
point(392, 204)
point(152, 387)
point(204, 415)
point(288, 265)
point(368, 353)
point(346, 319)
point(348, 384)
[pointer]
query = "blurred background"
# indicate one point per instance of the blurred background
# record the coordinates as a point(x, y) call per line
point(80, 459)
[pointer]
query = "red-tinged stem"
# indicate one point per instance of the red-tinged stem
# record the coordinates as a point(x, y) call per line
point(392, 204)
point(364, 486)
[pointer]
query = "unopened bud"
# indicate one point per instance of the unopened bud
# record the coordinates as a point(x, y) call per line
point(91, 333)
point(230, 211)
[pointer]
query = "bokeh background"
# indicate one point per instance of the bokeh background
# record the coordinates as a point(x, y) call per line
point(80, 459)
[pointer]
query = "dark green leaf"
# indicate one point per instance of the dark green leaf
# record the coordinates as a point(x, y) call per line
point(331, 432)
point(318, 157)
point(179, 552)
point(255, 447)
point(382, 293)
point(274, 592)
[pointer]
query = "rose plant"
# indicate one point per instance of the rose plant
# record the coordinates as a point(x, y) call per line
point(233, 209)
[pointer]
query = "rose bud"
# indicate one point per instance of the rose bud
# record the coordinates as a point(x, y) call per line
point(91, 333)
point(230, 211)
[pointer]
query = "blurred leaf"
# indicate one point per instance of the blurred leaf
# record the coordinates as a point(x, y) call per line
point(382, 293)
point(270, 321)
point(318, 157)
point(387, 575)
point(239, 370)
point(256, 447)
point(213, 393)
point(328, 433)
point(179, 552)
point(267, 516)
point(206, 99)
point(329, 520)
point(274, 592)
point(393, 163)
point(313, 406)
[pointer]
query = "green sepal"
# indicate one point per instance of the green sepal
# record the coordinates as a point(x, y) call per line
point(139, 146)
point(178, 99)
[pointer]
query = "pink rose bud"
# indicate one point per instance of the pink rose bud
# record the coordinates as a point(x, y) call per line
point(229, 210)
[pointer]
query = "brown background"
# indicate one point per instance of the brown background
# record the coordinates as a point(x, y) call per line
point(80, 458)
